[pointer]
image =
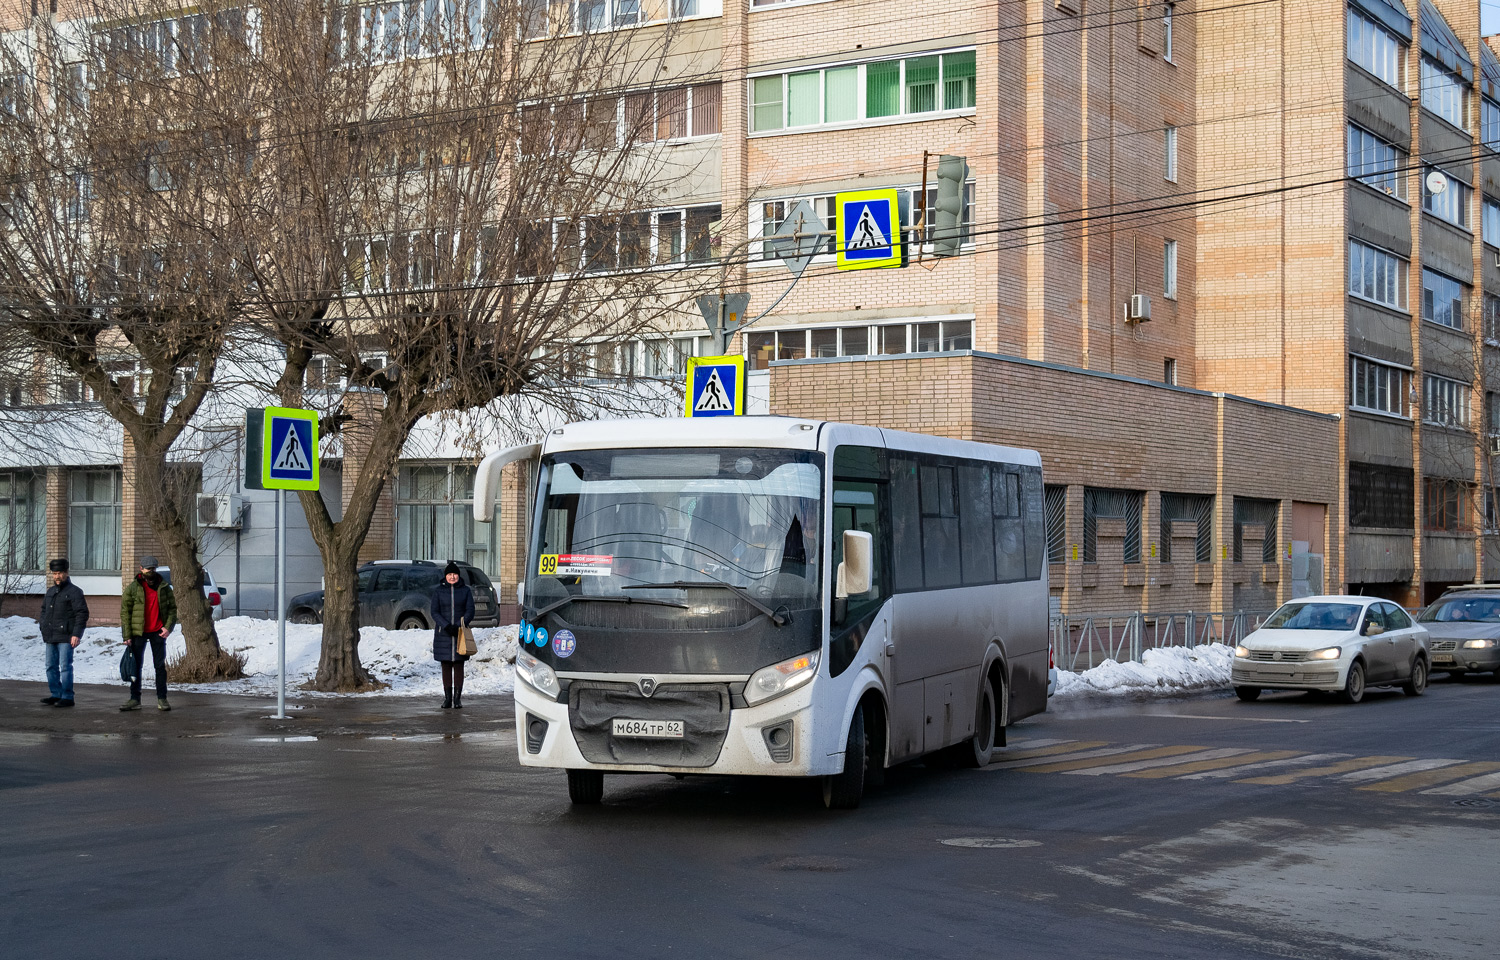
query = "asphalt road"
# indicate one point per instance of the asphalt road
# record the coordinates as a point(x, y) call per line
point(386, 828)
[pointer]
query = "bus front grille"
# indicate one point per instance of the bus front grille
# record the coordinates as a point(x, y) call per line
point(703, 708)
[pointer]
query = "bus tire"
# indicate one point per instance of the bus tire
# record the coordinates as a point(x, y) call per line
point(976, 751)
point(585, 787)
point(842, 791)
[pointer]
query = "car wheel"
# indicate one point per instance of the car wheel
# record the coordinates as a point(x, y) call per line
point(585, 787)
point(975, 752)
point(1354, 686)
point(303, 615)
point(842, 791)
point(1417, 684)
point(411, 621)
point(1247, 694)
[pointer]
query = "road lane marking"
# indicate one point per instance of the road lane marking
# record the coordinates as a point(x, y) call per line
point(1078, 764)
point(1090, 754)
point(1124, 768)
point(1344, 766)
point(1067, 746)
point(1034, 744)
point(1396, 770)
point(1245, 759)
point(1428, 777)
point(1295, 761)
point(1467, 788)
point(1197, 716)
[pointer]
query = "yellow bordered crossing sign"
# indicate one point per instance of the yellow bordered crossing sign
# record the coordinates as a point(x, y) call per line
point(869, 229)
point(281, 448)
point(715, 386)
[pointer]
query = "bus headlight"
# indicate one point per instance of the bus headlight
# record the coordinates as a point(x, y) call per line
point(779, 678)
point(538, 675)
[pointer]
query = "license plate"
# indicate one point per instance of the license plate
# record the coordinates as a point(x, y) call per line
point(1442, 658)
point(650, 729)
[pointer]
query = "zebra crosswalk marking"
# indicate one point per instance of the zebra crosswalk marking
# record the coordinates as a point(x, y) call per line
point(1306, 759)
point(1241, 759)
point(1468, 788)
point(1051, 749)
point(1396, 770)
point(1427, 778)
point(1151, 754)
point(1086, 755)
point(1343, 766)
point(1159, 762)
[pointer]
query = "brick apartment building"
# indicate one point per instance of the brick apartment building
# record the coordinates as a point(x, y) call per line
point(1154, 290)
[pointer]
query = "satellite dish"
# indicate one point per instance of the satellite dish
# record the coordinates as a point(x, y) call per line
point(1437, 182)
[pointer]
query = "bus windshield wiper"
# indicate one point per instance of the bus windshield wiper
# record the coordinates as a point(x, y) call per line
point(775, 616)
point(602, 599)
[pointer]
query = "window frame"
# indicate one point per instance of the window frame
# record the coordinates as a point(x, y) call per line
point(1169, 149)
point(1452, 204)
point(1446, 401)
point(1169, 269)
point(1375, 171)
point(862, 117)
point(1382, 257)
point(1365, 375)
point(1458, 305)
point(1391, 58)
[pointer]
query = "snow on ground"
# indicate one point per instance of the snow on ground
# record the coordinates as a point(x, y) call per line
point(400, 658)
point(1163, 671)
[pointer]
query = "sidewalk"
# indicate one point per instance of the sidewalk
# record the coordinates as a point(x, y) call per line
point(212, 715)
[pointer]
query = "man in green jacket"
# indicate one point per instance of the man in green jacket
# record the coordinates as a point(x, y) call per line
point(148, 612)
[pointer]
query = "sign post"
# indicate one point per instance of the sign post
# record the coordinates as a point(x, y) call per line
point(281, 454)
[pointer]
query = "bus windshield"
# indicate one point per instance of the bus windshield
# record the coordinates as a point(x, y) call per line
point(664, 541)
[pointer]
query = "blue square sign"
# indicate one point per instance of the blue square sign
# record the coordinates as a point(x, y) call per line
point(715, 386)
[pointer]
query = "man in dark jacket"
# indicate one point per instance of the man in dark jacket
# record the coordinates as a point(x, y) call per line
point(64, 616)
point(148, 612)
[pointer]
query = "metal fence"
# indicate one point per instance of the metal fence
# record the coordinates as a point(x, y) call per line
point(1081, 641)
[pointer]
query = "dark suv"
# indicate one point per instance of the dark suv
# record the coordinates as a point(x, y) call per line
point(394, 594)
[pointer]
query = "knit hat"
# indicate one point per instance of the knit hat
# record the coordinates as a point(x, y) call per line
point(60, 565)
point(452, 567)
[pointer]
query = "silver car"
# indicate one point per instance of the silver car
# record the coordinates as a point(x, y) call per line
point(1464, 625)
point(1338, 644)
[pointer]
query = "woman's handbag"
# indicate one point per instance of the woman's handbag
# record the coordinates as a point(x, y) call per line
point(464, 644)
point(127, 666)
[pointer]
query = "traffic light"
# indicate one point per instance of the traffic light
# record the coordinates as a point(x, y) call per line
point(948, 210)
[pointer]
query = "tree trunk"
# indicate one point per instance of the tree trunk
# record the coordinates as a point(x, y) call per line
point(339, 669)
point(168, 523)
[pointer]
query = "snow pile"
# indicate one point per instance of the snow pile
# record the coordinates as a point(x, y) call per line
point(1163, 671)
point(400, 658)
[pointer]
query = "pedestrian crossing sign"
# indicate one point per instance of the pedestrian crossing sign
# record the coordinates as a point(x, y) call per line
point(869, 229)
point(281, 449)
point(715, 386)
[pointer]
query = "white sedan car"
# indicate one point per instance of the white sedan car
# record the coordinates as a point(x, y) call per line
point(1339, 644)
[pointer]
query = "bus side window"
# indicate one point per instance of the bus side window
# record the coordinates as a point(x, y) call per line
point(1010, 540)
point(1032, 513)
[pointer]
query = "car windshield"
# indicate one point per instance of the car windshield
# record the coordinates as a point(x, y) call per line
point(1315, 616)
point(1463, 610)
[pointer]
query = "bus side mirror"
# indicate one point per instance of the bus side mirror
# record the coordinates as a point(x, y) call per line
point(855, 569)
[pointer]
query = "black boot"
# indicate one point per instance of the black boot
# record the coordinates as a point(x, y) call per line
point(458, 701)
point(447, 701)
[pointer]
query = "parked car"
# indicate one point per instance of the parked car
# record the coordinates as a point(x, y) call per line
point(395, 594)
point(1339, 644)
point(1464, 624)
point(211, 590)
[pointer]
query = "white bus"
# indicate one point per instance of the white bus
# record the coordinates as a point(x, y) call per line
point(765, 595)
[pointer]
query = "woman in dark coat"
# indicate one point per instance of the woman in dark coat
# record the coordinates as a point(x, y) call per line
point(452, 607)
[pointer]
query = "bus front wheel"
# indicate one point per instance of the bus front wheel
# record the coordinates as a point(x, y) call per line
point(585, 787)
point(976, 751)
point(842, 791)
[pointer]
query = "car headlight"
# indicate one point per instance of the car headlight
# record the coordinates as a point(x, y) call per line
point(538, 675)
point(1478, 644)
point(1241, 652)
point(779, 678)
point(1327, 653)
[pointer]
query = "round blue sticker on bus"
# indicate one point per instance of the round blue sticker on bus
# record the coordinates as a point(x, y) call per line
point(563, 643)
point(539, 637)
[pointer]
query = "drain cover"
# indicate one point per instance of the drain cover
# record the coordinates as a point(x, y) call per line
point(1474, 802)
point(990, 843)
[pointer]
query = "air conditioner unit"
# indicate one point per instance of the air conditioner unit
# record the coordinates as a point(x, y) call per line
point(1139, 308)
point(220, 510)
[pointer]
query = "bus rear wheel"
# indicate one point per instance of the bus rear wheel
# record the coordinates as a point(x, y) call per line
point(585, 787)
point(976, 751)
point(842, 791)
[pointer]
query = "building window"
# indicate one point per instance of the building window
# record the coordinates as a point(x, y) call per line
point(1377, 387)
point(1380, 496)
point(1445, 402)
point(911, 86)
point(1491, 413)
point(1376, 163)
point(1451, 203)
point(1169, 372)
point(1055, 506)
point(1443, 299)
point(929, 336)
point(1489, 123)
point(1197, 509)
point(435, 516)
point(1169, 270)
point(1101, 504)
point(95, 506)
point(1371, 46)
point(1166, 36)
point(1447, 505)
point(23, 521)
point(1444, 93)
point(1250, 513)
point(1490, 222)
point(772, 214)
point(1170, 138)
point(1377, 275)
